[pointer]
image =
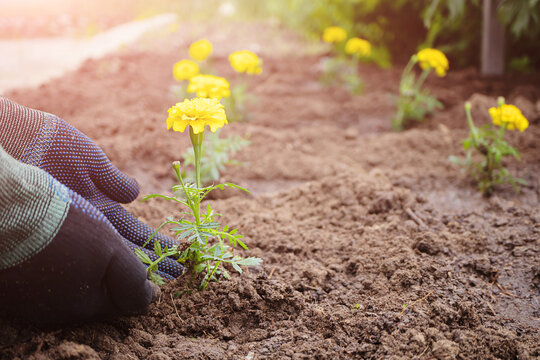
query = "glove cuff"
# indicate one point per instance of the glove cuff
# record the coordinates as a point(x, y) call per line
point(33, 206)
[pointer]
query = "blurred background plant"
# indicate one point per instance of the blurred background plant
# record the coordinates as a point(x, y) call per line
point(246, 64)
point(488, 142)
point(218, 151)
point(413, 102)
point(340, 67)
point(456, 24)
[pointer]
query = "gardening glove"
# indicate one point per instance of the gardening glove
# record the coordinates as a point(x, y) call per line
point(60, 258)
point(48, 142)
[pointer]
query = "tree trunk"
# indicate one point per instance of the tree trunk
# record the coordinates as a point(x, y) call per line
point(492, 40)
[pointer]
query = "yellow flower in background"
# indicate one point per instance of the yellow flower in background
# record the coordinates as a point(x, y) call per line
point(185, 69)
point(209, 86)
point(200, 49)
point(510, 115)
point(245, 62)
point(334, 34)
point(197, 113)
point(433, 58)
point(358, 46)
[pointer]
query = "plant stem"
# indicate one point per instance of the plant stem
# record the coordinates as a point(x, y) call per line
point(176, 167)
point(212, 274)
point(474, 132)
point(502, 130)
point(407, 69)
point(197, 141)
point(422, 79)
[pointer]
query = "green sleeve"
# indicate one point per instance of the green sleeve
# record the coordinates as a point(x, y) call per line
point(33, 206)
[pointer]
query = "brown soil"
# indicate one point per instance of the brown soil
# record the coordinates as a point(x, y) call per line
point(353, 222)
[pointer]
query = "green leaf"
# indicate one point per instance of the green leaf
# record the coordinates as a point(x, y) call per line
point(231, 185)
point(236, 267)
point(143, 256)
point(184, 234)
point(250, 261)
point(244, 246)
point(156, 279)
point(157, 248)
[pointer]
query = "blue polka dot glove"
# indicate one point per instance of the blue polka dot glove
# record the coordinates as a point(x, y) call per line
point(61, 260)
point(50, 143)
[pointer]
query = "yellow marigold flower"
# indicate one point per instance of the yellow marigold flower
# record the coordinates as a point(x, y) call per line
point(435, 59)
point(334, 34)
point(358, 46)
point(197, 113)
point(209, 86)
point(245, 62)
point(510, 115)
point(200, 49)
point(185, 69)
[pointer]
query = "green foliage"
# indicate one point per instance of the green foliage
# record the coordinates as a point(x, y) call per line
point(339, 70)
point(521, 64)
point(235, 104)
point(209, 245)
point(311, 17)
point(215, 157)
point(488, 142)
point(521, 16)
point(413, 102)
point(397, 27)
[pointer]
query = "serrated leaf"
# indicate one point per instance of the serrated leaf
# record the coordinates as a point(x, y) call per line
point(231, 185)
point(236, 267)
point(250, 261)
point(143, 256)
point(184, 234)
point(244, 246)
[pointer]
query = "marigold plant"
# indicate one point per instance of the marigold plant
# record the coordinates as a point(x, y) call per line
point(209, 86)
point(334, 34)
point(433, 59)
point(200, 50)
point(509, 116)
point(358, 47)
point(245, 61)
point(185, 69)
point(342, 67)
point(207, 245)
point(413, 102)
point(487, 141)
point(196, 113)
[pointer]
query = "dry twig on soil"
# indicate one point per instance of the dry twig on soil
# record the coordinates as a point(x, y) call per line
point(175, 309)
point(411, 305)
point(271, 273)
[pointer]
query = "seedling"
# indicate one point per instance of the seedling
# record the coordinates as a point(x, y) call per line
point(245, 63)
point(342, 66)
point(413, 102)
point(488, 142)
point(208, 245)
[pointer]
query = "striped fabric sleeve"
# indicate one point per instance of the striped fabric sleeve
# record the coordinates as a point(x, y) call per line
point(16, 135)
point(33, 206)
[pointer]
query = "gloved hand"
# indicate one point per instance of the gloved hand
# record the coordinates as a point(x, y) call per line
point(50, 143)
point(60, 258)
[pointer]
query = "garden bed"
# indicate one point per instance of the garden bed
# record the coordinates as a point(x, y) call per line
point(354, 223)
